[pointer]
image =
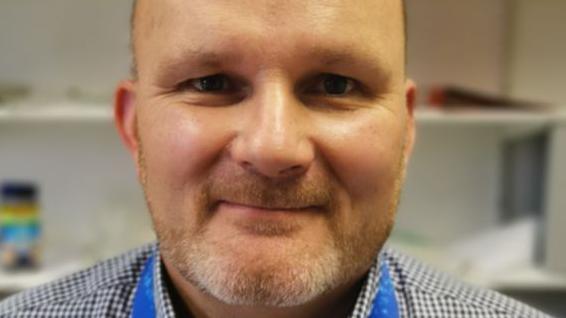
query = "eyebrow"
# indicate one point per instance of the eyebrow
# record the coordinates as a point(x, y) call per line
point(327, 57)
point(358, 58)
point(191, 56)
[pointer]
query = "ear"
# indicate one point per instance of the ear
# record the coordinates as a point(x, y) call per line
point(125, 116)
point(410, 100)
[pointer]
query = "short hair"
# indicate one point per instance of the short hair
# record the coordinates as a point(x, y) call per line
point(133, 26)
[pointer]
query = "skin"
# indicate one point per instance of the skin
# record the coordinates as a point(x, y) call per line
point(271, 187)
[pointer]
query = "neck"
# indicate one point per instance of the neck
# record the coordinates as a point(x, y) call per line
point(335, 303)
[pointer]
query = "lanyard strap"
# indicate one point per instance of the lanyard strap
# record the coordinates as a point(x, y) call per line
point(144, 303)
point(384, 304)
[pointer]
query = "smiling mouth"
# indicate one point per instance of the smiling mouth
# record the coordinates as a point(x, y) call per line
point(252, 208)
point(267, 221)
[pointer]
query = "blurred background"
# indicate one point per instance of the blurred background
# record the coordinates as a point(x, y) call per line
point(484, 199)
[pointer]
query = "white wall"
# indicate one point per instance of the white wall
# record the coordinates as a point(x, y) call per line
point(452, 187)
point(58, 44)
point(494, 45)
point(55, 45)
point(538, 52)
point(457, 42)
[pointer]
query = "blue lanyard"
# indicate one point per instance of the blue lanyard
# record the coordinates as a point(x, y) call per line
point(144, 303)
point(384, 304)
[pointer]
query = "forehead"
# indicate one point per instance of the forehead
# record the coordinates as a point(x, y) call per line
point(370, 26)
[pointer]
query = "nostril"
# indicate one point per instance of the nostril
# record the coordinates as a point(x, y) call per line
point(247, 165)
point(287, 172)
point(291, 170)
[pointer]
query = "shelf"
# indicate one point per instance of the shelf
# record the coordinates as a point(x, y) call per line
point(526, 277)
point(68, 111)
point(18, 281)
point(488, 117)
point(529, 279)
point(57, 112)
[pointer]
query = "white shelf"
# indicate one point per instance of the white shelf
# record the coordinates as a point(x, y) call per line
point(69, 111)
point(56, 112)
point(526, 277)
point(18, 281)
point(529, 279)
point(488, 117)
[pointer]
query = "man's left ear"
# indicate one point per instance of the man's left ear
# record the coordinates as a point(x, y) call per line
point(410, 100)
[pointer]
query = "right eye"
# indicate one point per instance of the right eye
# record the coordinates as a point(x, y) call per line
point(210, 84)
point(212, 90)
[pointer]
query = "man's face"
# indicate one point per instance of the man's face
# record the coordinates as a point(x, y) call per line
point(271, 139)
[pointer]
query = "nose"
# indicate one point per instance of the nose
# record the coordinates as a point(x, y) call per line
point(273, 141)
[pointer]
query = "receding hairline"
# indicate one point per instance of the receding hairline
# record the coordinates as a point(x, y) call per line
point(133, 27)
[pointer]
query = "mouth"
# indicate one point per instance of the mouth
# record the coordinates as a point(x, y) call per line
point(267, 221)
point(263, 209)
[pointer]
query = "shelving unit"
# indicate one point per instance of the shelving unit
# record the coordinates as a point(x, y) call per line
point(69, 111)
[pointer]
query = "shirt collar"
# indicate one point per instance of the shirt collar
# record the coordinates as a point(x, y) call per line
point(163, 303)
point(362, 308)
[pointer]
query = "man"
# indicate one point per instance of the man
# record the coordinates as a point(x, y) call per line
point(271, 140)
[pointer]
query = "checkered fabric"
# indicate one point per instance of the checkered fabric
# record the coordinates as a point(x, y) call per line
point(108, 289)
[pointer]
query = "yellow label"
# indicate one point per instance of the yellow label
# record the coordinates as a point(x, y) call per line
point(19, 209)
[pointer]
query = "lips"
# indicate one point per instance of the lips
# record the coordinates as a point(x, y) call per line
point(252, 208)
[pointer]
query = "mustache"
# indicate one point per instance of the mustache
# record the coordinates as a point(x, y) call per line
point(249, 189)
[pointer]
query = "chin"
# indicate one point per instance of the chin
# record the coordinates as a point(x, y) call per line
point(274, 272)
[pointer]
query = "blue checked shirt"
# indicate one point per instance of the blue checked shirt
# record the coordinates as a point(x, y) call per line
point(108, 289)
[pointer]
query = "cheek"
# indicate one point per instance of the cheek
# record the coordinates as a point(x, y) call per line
point(365, 155)
point(179, 145)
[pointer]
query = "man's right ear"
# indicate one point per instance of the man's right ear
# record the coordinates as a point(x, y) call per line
point(125, 115)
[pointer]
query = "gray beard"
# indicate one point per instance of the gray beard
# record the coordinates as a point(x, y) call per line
point(293, 276)
point(289, 280)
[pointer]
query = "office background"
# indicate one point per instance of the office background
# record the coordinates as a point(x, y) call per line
point(483, 199)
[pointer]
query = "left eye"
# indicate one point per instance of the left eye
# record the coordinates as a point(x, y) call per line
point(334, 85)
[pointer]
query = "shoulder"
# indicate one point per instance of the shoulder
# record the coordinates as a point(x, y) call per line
point(103, 290)
point(424, 292)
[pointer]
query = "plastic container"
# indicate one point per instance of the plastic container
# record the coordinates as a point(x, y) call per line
point(19, 226)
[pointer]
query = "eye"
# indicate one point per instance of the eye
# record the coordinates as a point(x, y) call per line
point(211, 84)
point(334, 85)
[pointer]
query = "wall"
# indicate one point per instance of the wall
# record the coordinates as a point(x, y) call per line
point(452, 187)
point(458, 42)
point(493, 45)
point(538, 51)
point(57, 45)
